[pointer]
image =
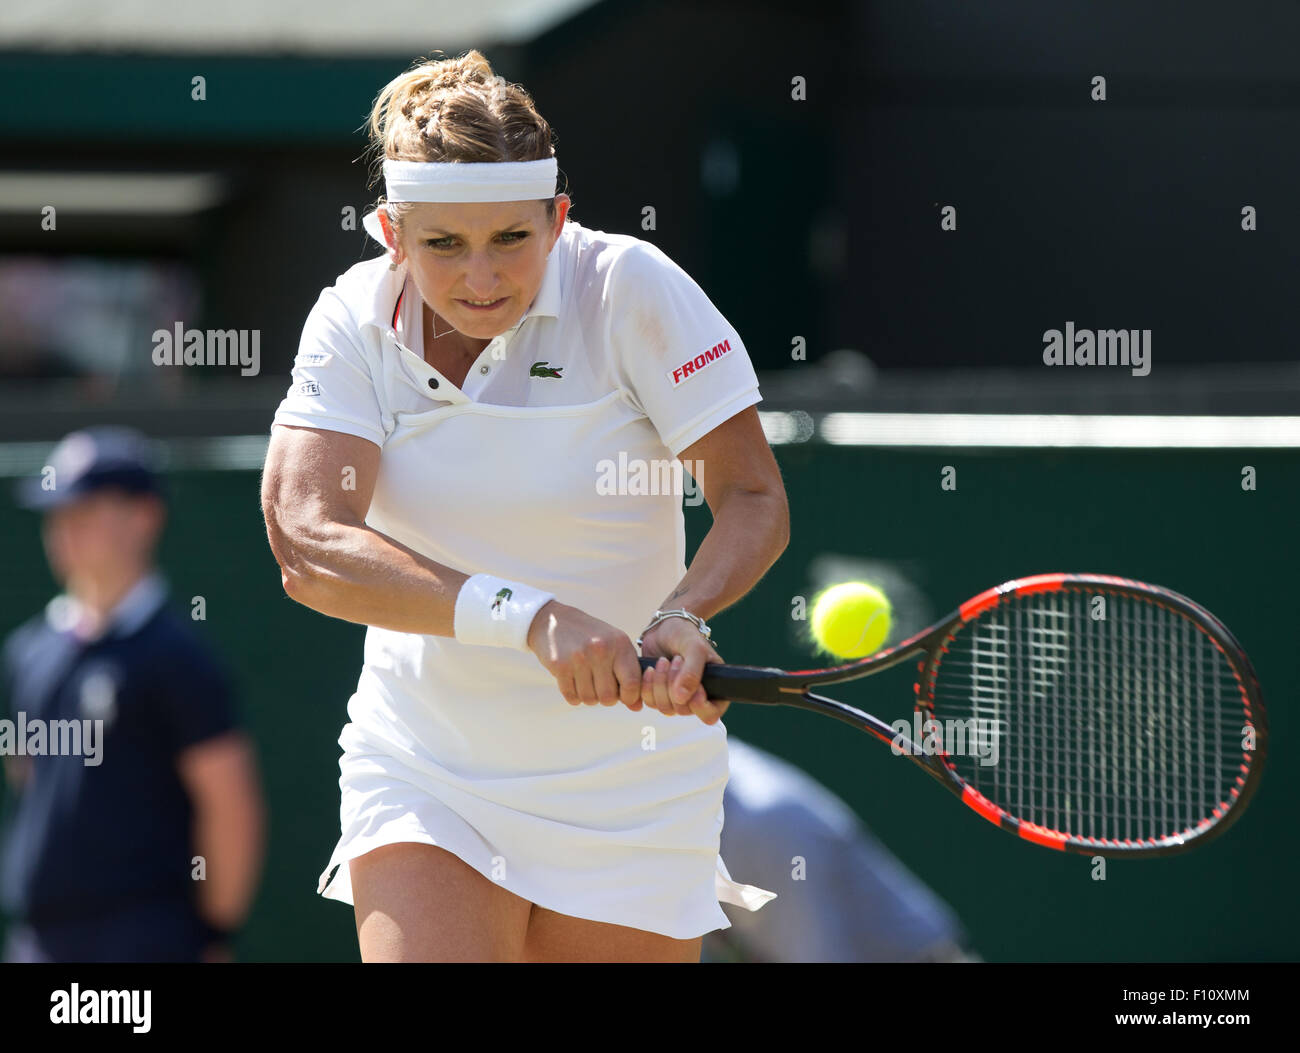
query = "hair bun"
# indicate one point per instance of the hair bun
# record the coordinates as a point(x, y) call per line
point(457, 109)
point(470, 68)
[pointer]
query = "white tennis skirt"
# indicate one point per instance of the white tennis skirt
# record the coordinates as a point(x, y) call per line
point(660, 874)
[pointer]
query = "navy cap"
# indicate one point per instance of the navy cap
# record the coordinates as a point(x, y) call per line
point(90, 460)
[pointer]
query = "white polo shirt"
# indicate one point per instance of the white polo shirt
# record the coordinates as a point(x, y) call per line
point(552, 466)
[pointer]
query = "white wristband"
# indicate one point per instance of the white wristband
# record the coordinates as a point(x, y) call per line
point(494, 612)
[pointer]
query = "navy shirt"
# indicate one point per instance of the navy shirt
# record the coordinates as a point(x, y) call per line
point(88, 840)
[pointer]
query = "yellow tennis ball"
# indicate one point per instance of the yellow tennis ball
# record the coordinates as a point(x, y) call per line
point(851, 620)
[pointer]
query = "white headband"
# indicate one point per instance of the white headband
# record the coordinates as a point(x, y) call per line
point(473, 181)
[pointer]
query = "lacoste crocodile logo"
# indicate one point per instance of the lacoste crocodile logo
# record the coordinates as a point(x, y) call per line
point(541, 369)
point(501, 597)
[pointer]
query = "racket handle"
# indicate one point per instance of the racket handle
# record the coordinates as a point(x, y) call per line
point(740, 683)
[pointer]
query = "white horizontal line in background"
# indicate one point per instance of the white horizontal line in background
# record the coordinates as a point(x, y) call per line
point(109, 193)
point(950, 430)
point(1030, 430)
point(216, 453)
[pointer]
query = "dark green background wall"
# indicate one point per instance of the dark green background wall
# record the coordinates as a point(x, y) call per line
point(1178, 519)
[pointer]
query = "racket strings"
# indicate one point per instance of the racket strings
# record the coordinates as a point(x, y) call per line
point(1118, 721)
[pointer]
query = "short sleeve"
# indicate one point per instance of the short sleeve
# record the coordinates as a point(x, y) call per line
point(675, 353)
point(333, 385)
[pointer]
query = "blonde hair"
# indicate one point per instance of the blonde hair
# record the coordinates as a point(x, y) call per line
point(455, 109)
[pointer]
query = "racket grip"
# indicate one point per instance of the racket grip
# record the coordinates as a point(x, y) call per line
point(742, 683)
point(709, 681)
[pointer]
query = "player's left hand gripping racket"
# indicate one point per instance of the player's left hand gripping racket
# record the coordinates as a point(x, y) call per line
point(1083, 712)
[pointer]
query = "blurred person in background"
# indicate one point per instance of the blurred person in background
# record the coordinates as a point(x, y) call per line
point(841, 894)
point(146, 845)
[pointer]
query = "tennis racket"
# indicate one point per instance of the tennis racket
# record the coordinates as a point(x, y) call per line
point(1081, 712)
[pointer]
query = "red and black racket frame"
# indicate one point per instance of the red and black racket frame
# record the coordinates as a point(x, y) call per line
point(767, 686)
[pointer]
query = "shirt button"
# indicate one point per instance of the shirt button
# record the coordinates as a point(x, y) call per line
point(483, 369)
point(433, 382)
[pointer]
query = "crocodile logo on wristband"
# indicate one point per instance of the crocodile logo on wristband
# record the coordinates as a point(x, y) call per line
point(501, 597)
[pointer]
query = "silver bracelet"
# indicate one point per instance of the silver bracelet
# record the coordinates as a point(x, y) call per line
point(695, 619)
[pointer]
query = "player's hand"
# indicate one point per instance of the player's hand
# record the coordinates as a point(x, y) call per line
point(593, 662)
point(673, 685)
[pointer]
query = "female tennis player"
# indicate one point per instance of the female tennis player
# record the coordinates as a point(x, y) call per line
point(470, 461)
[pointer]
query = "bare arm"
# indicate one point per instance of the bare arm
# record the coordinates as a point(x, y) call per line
point(220, 776)
point(316, 491)
point(751, 516)
point(332, 562)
